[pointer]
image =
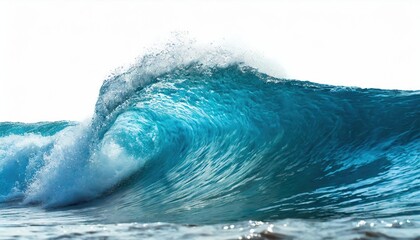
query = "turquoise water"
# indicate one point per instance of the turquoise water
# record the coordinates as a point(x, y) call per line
point(217, 151)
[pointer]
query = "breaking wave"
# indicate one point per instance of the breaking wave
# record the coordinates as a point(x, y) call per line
point(200, 137)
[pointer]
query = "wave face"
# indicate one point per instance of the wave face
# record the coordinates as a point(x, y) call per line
point(210, 143)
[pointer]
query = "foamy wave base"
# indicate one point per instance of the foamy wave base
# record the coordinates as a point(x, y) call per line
point(199, 139)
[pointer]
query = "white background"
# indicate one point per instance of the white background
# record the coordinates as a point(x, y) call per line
point(54, 55)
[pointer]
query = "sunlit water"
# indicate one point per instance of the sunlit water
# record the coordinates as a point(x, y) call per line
point(35, 223)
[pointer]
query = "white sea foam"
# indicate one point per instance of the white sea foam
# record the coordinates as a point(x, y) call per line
point(72, 173)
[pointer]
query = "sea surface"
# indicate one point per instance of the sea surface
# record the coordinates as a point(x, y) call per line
point(200, 146)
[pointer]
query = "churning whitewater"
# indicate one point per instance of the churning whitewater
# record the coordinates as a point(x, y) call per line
point(197, 138)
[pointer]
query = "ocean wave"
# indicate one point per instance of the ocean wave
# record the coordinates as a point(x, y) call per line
point(200, 136)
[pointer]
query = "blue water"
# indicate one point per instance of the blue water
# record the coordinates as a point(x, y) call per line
point(217, 151)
